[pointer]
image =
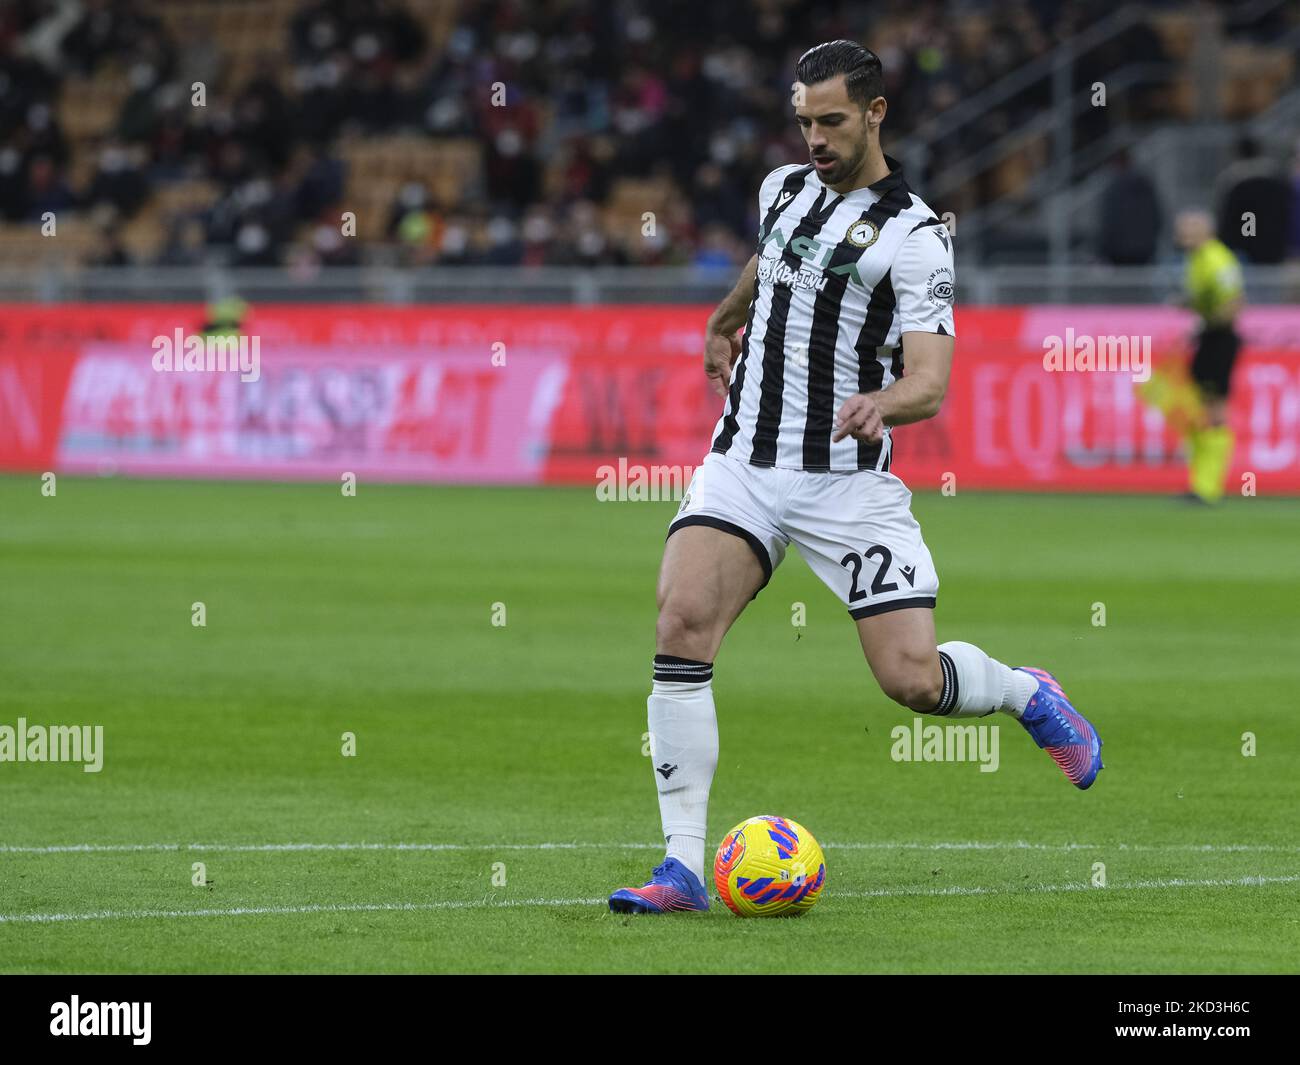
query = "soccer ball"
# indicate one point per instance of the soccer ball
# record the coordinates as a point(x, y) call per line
point(769, 867)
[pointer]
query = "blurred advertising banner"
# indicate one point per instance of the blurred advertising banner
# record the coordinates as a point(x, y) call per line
point(1042, 398)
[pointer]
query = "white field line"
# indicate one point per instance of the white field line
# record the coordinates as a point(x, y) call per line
point(492, 904)
point(968, 845)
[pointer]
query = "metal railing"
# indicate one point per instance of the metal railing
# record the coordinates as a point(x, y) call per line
point(1047, 66)
point(575, 286)
point(1049, 200)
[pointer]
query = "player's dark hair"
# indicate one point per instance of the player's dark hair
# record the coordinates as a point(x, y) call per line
point(864, 78)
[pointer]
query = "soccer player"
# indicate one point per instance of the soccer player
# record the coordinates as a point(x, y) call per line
point(853, 275)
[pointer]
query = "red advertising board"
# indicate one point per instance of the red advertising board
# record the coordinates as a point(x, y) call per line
point(490, 394)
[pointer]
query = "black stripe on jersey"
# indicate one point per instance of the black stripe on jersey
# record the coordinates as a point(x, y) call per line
point(792, 184)
point(825, 331)
point(879, 320)
point(871, 371)
point(822, 342)
point(941, 233)
point(727, 433)
point(772, 387)
point(790, 189)
point(896, 372)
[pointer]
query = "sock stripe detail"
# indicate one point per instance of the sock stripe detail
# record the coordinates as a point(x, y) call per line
point(683, 670)
point(948, 697)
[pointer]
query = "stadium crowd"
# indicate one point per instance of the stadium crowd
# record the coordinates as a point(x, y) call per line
point(693, 97)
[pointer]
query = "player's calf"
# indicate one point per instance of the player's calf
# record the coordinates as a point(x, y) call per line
point(914, 683)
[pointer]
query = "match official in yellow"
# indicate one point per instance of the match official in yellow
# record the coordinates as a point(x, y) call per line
point(1214, 292)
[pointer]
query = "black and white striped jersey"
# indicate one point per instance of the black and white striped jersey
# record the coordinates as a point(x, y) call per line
point(840, 279)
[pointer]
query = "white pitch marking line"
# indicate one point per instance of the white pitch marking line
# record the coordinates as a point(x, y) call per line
point(1034, 889)
point(257, 911)
point(127, 848)
point(377, 907)
point(1203, 848)
point(970, 845)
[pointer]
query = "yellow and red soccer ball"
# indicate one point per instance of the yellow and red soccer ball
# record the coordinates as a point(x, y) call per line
point(769, 867)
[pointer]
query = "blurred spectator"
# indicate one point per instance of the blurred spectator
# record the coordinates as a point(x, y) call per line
point(46, 191)
point(119, 179)
point(330, 248)
point(1253, 195)
point(1129, 227)
point(109, 250)
point(184, 243)
point(321, 184)
point(717, 248)
point(13, 185)
point(136, 121)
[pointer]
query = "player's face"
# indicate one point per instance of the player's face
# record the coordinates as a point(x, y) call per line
point(837, 131)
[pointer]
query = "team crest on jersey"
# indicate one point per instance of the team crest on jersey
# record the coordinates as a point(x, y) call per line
point(862, 233)
point(938, 288)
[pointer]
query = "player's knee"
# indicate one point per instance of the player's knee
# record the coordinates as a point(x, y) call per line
point(686, 627)
point(913, 685)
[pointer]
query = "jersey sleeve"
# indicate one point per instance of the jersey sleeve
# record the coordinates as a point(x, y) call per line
point(924, 282)
point(768, 190)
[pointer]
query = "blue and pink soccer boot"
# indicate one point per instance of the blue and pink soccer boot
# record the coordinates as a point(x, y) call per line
point(1063, 732)
point(671, 888)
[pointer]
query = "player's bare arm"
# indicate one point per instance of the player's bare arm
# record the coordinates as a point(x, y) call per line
point(721, 344)
point(913, 398)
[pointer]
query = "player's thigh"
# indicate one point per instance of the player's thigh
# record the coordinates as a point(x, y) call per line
point(707, 577)
point(723, 545)
point(858, 535)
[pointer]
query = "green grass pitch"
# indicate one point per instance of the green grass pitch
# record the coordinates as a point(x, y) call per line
point(477, 744)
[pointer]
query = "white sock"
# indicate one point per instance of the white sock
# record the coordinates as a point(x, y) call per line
point(684, 752)
point(975, 685)
point(689, 850)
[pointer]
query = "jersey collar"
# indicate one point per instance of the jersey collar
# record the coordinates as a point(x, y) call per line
point(892, 180)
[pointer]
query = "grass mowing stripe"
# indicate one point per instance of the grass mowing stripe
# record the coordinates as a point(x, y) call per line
point(470, 904)
point(271, 848)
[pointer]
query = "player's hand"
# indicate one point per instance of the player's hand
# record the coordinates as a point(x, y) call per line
point(720, 354)
point(859, 418)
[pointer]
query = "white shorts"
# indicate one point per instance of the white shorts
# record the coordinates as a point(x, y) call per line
point(854, 529)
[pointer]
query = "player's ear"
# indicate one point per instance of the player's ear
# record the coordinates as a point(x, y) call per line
point(876, 112)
